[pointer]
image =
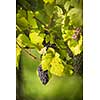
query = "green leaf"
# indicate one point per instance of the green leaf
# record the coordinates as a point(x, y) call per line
point(60, 43)
point(24, 41)
point(75, 16)
point(58, 10)
point(35, 52)
point(68, 34)
point(77, 3)
point(21, 13)
point(57, 67)
point(18, 53)
point(76, 48)
point(24, 4)
point(21, 20)
point(36, 4)
point(31, 20)
point(36, 38)
point(60, 2)
point(48, 1)
point(47, 58)
point(46, 61)
point(22, 23)
point(57, 19)
point(42, 16)
point(68, 69)
point(67, 5)
point(71, 72)
point(49, 8)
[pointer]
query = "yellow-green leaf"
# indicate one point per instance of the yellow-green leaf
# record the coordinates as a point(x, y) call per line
point(78, 48)
point(36, 39)
point(57, 67)
point(24, 41)
point(48, 1)
point(18, 52)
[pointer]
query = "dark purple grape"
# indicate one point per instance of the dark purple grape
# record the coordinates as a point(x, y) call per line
point(43, 75)
point(40, 68)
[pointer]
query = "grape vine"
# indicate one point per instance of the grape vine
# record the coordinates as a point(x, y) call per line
point(54, 29)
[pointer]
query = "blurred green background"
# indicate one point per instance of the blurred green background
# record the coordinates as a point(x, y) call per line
point(29, 86)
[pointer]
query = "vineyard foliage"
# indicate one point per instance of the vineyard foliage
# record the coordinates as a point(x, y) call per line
point(54, 28)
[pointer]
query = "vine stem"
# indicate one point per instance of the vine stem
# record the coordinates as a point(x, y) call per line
point(34, 57)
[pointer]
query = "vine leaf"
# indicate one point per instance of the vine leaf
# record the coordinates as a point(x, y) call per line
point(48, 1)
point(77, 3)
point(36, 39)
point(24, 41)
point(75, 16)
point(51, 61)
point(60, 2)
point(67, 5)
point(47, 58)
point(31, 20)
point(22, 23)
point(18, 53)
point(42, 16)
point(49, 8)
point(68, 34)
point(76, 48)
point(57, 68)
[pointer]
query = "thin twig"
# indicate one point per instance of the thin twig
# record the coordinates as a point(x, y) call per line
point(26, 51)
point(30, 54)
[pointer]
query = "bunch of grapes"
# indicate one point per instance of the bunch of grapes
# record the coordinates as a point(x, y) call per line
point(78, 63)
point(76, 35)
point(43, 75)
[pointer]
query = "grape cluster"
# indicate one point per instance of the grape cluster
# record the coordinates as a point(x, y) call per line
point(76, 35)
point(78, 63)
point(43, 75)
